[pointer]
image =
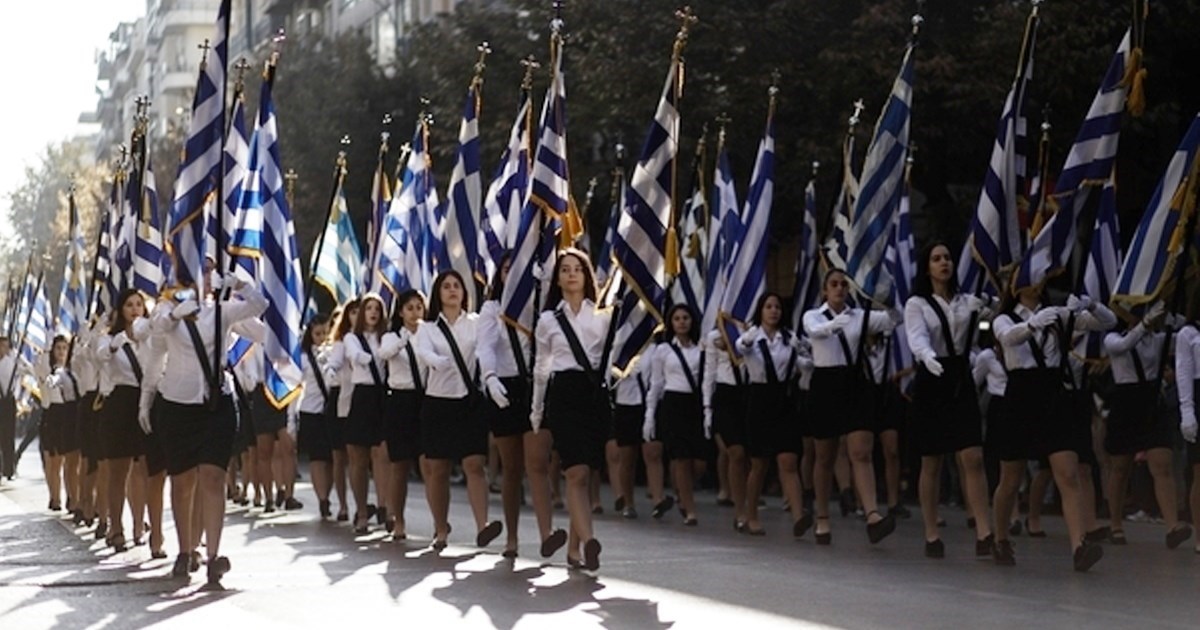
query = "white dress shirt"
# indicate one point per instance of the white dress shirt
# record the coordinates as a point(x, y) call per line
point(183, 379)
point(116, 370)
point(553, 352)
point(344, 376)
point(1187, 368)
point(361, 359)
point(394, 349)
point(667, 375)
point(987, 368)
point(633, 389)
point(56, 383)
point(8, 380)
point(782, 347)
point(1014, 331)
point(826, 346)
point(494, 348)
point(445, 379)
point(924, 329)
point(1121, 348)
point(313, 399)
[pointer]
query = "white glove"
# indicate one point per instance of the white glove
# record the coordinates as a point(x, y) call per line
point(537, 272)
point(535, 420)
point(839, 322)
point(975, 302)
point(496, 391)
point(1187, 425)
point(1154, 315)
point(185, 309)
point(935, 368)
point(1043, 318)
point(708, 423)
point(144, 414)
point(648, 429)
point(233, 281)
point(118, 340)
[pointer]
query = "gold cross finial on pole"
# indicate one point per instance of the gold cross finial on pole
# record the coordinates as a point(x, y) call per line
point(530, 63)
point(204, 48)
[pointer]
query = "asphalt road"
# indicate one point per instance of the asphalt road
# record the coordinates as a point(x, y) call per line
point(291, 570)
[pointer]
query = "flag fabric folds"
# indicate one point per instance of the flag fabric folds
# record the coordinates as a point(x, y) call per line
point(1104, 255)
point(404, 249)
point(834, 252)
point(72, 301)
point(506, 193)
point(1089, 165)
point(237, 163)
point(1162, 236)
point(381, 201)
point(337, 264)
point(464, 200)
point(806, 289)
point(146, 226)
point(37, 328)
point(881, 182)
point(689, 287)
point(726, 231)
point(748, 268)
point(199, 177)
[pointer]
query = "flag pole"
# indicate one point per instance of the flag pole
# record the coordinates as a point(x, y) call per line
point(339, 175)
point(12, 324)
point(25, 333)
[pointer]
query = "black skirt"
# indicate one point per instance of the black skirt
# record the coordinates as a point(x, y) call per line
point(579, 412)
point(364, 426)
point(771, 423)
point(1080, 407)
point(729, 413)
point(681, 416)
point(68, 428)
point(453, 428)
point(514, 419)
point(336, 426)
point(88, 432)
point(156, 457)
point(192, 435)
point(946, 415)
point(840, 401)
point(267, 419)
point(120, 434)
point(627, 424)
point(1135, 422)
point(893, 408)
point(402, 424)
point(50, 430)
point(1039, 415)
point(312, 438)
point(1002, 437)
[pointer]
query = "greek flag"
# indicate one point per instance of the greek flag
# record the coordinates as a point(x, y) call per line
point(403, 244)
point(604, 261)
point(37, 331)
point(122, 242)
point(28, 290)
point(276, 254)
point(835, 250)
point(103, 292)
point(381, 201)
point(748, 267)
point(901, 263)
point(1089, 164)
point(463, 204)
point(199, 175)
point(806, 289)
point(237, 163)
point(339, 260)
point(547, 200)
point(72, 302)
point(881, 181)
point(641, 245)
point(995, 238)
point(1162, 234)
point(727, 233)
point(1104, 259)
point(506, 193)
point(688, 287)
point(147, 236)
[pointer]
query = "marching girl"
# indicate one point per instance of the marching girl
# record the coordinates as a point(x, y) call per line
point(1135, 423)
point(341, 395)
point(453, 428)
point(629, 412)
point(196, 425)
point(59, 443)
point(1187, 377)
point(1036, 424)
point(772, 428)
point(839, 402)
point(725, 412)
point(363, 430)
point(315, 430)
point(889, 413)
point(940, 323)
point(676, 403)
point(121, 439)
point(402, 409)
point(83, 367)
point(1082, 407)
point(504, 361)
point(569, 396)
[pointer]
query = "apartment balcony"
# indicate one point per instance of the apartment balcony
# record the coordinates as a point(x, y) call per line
point(181, 14)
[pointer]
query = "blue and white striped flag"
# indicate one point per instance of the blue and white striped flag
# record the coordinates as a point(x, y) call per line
point(881, 182)
point(103, 292)
point(688, 287)
point(147, 237)
point(1162, 234)
point(37, 330)
point(199, 175)
point(339, 260)
point(1104, 260)
point(506, 193)
point(995, 236)
point(465, 199)
point(619, 193)
point(381, 202)
point(547, 200)
point(402, 261)
point(1089, 165)
point(901, 263)
point(72, 300)
point(641, 245)
point(748, 267)
point(806, 289)
point(277, 257)
point(237, 164)
point(836, 248)
point(726, 220)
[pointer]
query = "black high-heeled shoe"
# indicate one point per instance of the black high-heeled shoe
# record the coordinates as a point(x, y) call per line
point(180, 569)
point(591, 555)
point(553, 542)
point(802, 525)
point(488, 533)
point(324, 508)
point(935, 548)
point(217, 568)
point(880, 529)
point(823, 538)
point(363, 528)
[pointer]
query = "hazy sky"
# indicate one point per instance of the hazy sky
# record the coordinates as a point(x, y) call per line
point(49, 50)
